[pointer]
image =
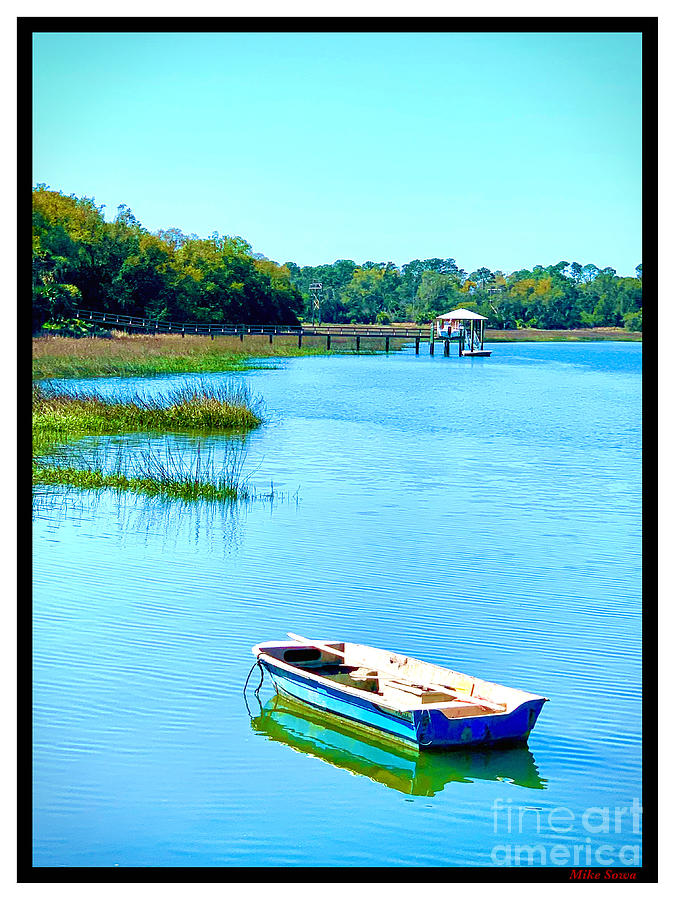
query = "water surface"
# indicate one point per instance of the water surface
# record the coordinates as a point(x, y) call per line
point(482, 513)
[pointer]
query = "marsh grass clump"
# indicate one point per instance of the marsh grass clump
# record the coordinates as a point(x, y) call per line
point(171, 488)
point(155, 475)
point(60, 413)
point(212, 408)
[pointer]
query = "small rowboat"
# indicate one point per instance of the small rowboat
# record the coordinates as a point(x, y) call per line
point(409, 700)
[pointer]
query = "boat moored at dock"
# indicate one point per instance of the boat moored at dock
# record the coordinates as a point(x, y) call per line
point(465, 326)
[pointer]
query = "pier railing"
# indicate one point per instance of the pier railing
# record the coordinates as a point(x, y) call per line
point(159, 326)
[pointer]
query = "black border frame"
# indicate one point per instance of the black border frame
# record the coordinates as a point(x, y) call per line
point(26, 27)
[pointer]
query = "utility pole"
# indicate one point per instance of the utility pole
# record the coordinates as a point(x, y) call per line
point(315, 289)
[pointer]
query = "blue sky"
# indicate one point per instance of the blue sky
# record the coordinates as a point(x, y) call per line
point(504, 150)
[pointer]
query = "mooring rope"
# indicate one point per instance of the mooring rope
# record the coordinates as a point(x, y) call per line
point(257, 690)
point(262, 676)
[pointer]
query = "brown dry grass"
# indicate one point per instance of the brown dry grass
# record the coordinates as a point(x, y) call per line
point(562, 334)
point(142, 354)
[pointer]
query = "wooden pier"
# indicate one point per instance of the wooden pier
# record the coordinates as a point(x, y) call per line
point(145, 325)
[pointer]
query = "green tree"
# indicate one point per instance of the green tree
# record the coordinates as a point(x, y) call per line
point(633, 321)
point(365, 295)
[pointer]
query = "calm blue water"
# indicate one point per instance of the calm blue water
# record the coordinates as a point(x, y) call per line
point(484, 514)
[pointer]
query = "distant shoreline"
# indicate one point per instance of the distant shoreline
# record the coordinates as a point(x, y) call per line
point(139, 355)
point(559, 334)
point(545, 334)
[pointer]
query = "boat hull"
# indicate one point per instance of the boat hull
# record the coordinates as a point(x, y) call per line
point(401, 766)
point(425, 728)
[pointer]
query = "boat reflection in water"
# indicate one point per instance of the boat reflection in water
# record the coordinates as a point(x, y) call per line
point(404, 768)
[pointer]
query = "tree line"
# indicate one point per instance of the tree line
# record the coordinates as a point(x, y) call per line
point(564, 295)
point(80, 260)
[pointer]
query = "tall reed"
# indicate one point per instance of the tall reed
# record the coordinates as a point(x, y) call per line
point(192, 407)
point(60, 415)
point(154, 474)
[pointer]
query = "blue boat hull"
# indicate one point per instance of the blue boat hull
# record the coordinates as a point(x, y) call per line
point(423, 727)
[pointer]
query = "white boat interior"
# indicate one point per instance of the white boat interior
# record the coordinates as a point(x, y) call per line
point(399, 682)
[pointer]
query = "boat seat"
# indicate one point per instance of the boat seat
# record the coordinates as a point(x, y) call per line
point(398, 690)
point(458, 709)
point(364, 672)
point(364, 679)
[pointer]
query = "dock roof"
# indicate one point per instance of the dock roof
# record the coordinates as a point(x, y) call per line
point(461, 314)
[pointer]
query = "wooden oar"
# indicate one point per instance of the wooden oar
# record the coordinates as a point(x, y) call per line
point(318, 644)
point(479, 701)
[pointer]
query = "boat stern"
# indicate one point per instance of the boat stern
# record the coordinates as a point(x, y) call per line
point(440, 728)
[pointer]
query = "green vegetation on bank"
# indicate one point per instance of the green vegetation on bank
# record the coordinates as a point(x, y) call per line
point(80, 260)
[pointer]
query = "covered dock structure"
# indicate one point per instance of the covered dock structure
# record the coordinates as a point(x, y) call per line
point(465, 326)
